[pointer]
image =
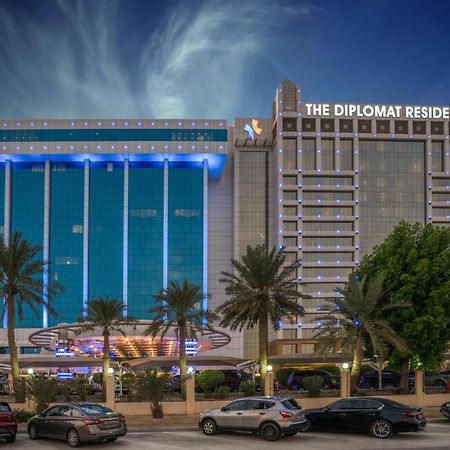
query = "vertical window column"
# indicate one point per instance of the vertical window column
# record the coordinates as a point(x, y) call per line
point(7, 219)
point(166, 225)
point(86, 237)
point(126, 171)
point(205, 235)
point(46, 250)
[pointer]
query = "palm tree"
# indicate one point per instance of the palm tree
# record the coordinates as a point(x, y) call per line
point(22, 285)
point(107, 315)
point(261, 289)
point(357, 319)
point(180, 307)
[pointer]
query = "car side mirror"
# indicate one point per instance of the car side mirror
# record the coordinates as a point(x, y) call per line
point(325, 409)
point(224, 408)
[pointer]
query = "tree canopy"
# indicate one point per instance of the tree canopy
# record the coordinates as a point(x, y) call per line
point(416, 261)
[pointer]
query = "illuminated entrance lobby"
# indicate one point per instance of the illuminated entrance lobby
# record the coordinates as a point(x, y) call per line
point(71, 339)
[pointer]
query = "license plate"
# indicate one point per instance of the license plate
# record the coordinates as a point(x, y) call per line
point(111, 422)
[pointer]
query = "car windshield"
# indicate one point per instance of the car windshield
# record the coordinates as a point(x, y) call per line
point(4, 407)
point(93, 409)
point(290, 403)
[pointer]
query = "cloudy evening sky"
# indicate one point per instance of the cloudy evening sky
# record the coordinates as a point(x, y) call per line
point(216, 58)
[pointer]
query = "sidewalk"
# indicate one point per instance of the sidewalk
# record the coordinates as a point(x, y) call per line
point(190, 422)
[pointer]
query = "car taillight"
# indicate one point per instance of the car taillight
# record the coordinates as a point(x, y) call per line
point(409, 414)
point(92, 421)
point(286, 415)
point(121, 418)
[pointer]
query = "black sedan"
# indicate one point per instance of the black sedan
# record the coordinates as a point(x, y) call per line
point(378, 416)
point(77, 423)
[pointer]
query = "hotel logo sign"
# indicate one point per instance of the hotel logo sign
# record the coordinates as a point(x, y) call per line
point(378, 111)
point(253, 130)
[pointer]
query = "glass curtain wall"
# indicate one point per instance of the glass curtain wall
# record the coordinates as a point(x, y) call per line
point(106, 230)
point(145, 238)
point(66, 239)
point(27, 217)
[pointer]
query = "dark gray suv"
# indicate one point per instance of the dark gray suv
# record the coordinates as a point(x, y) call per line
point(270, 417)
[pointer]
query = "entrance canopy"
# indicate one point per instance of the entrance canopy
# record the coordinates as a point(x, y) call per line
point(52, 362)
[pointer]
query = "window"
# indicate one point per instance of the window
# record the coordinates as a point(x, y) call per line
point(359, 403)
point(260, 404)
point(76, 413)
point(309, 125)
point(346, 125)
point(364, 126)
point(289, 124)
point(4, 408)
point(291, 404)
point(327, 125)
point(237, 406)
point(4, 350)
point(419, 127)
point(341, 404)
point(30, 350)
point(401, 127)
point(382, 126)
point(437, 127)
point(55, 411)
point(92, 409)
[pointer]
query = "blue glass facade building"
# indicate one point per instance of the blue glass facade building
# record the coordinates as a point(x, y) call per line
point(117, 207)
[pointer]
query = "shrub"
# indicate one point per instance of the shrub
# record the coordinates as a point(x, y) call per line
point(128, 379)
point(248, 388)
point(282, 375)
point(222, 391)
point(313, 385)
point(20, 390)
point(97, 378)
point(42, 390)
point(22, 415)
point(208, 380)
point(150, 386)
point(79, 386)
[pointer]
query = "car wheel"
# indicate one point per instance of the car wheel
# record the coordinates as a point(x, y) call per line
point(381, 429)
point(33, 431)
point(73, 438)
point(270, 432)
point(112, 439)
point(11, 439)
point(209, 427)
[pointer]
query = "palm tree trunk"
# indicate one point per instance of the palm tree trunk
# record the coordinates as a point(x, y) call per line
point(12, 338)
point(182, 355)
point(263, 334)
point(106, 359)
point(356, 364)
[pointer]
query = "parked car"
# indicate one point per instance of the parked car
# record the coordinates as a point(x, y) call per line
point(445, 410)
point(78, 423)
point(378, 416)
point(270, 417)
point(295, 379)
point(392, 379)
point(8, 423)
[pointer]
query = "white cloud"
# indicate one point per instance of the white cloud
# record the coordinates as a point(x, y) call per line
point(197, 62)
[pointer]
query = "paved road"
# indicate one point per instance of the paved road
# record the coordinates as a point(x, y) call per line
point(436, 437)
